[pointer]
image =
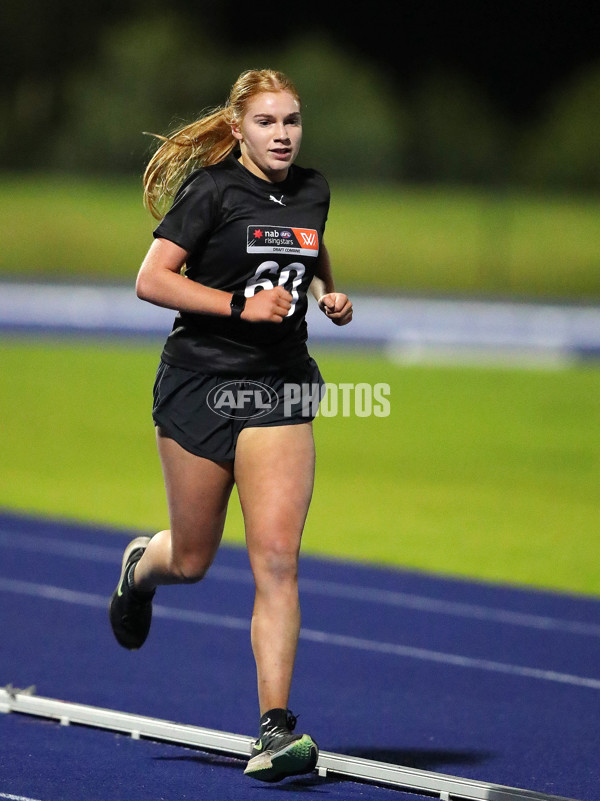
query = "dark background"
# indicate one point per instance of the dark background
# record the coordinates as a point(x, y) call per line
point(518, 60)
point(517, 51)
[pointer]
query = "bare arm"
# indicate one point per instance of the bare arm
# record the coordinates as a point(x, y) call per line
point(322, 283)
point(335, 305)
point(160, 282)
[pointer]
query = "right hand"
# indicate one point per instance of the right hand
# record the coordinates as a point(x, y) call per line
point(268, 306)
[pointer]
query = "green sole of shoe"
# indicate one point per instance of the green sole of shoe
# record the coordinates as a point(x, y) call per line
point(297, 759)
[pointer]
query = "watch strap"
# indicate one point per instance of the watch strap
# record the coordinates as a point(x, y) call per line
point(237, 304)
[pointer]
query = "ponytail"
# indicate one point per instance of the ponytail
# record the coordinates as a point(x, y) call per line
point(206, 141)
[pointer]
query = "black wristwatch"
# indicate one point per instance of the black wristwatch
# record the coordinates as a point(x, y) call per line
point(238, 304)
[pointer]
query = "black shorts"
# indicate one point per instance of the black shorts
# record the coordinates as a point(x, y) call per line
point(206, 413)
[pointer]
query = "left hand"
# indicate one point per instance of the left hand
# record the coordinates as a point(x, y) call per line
point(337, 307)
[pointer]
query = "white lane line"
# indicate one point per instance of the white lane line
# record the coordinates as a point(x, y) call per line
point(457, 660)
point(331, 589)
point(424, 603)
point(58, 547)
point(311, 635)
point(79, 598)
point(17, 797)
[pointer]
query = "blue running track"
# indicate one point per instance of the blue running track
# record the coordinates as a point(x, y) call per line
point(486, 682)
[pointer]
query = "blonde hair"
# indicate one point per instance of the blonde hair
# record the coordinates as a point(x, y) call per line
point(206, 141)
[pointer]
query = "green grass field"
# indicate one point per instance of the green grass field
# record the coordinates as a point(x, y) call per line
point(400, 238)
point(486, 473)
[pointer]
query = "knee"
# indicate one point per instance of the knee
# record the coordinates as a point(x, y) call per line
point(189, 568)
point(277, 561)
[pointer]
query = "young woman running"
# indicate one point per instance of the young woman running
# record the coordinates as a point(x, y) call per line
point(247, 224)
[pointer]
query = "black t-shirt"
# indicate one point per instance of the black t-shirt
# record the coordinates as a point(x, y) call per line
point(245, 234)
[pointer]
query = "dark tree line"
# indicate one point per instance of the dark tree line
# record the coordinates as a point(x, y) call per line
point(425, 91)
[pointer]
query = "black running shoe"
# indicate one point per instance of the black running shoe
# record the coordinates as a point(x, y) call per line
point(130, 611)
point(278, 753)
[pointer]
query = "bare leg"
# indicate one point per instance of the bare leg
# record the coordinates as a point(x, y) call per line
point(274, 472)
point(198, 491)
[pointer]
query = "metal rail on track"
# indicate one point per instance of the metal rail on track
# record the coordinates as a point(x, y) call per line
point(447, 788)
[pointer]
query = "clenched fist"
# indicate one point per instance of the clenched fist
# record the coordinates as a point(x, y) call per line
point(268, 306)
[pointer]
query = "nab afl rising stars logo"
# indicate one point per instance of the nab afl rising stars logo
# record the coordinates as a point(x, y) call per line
point(277, 239)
